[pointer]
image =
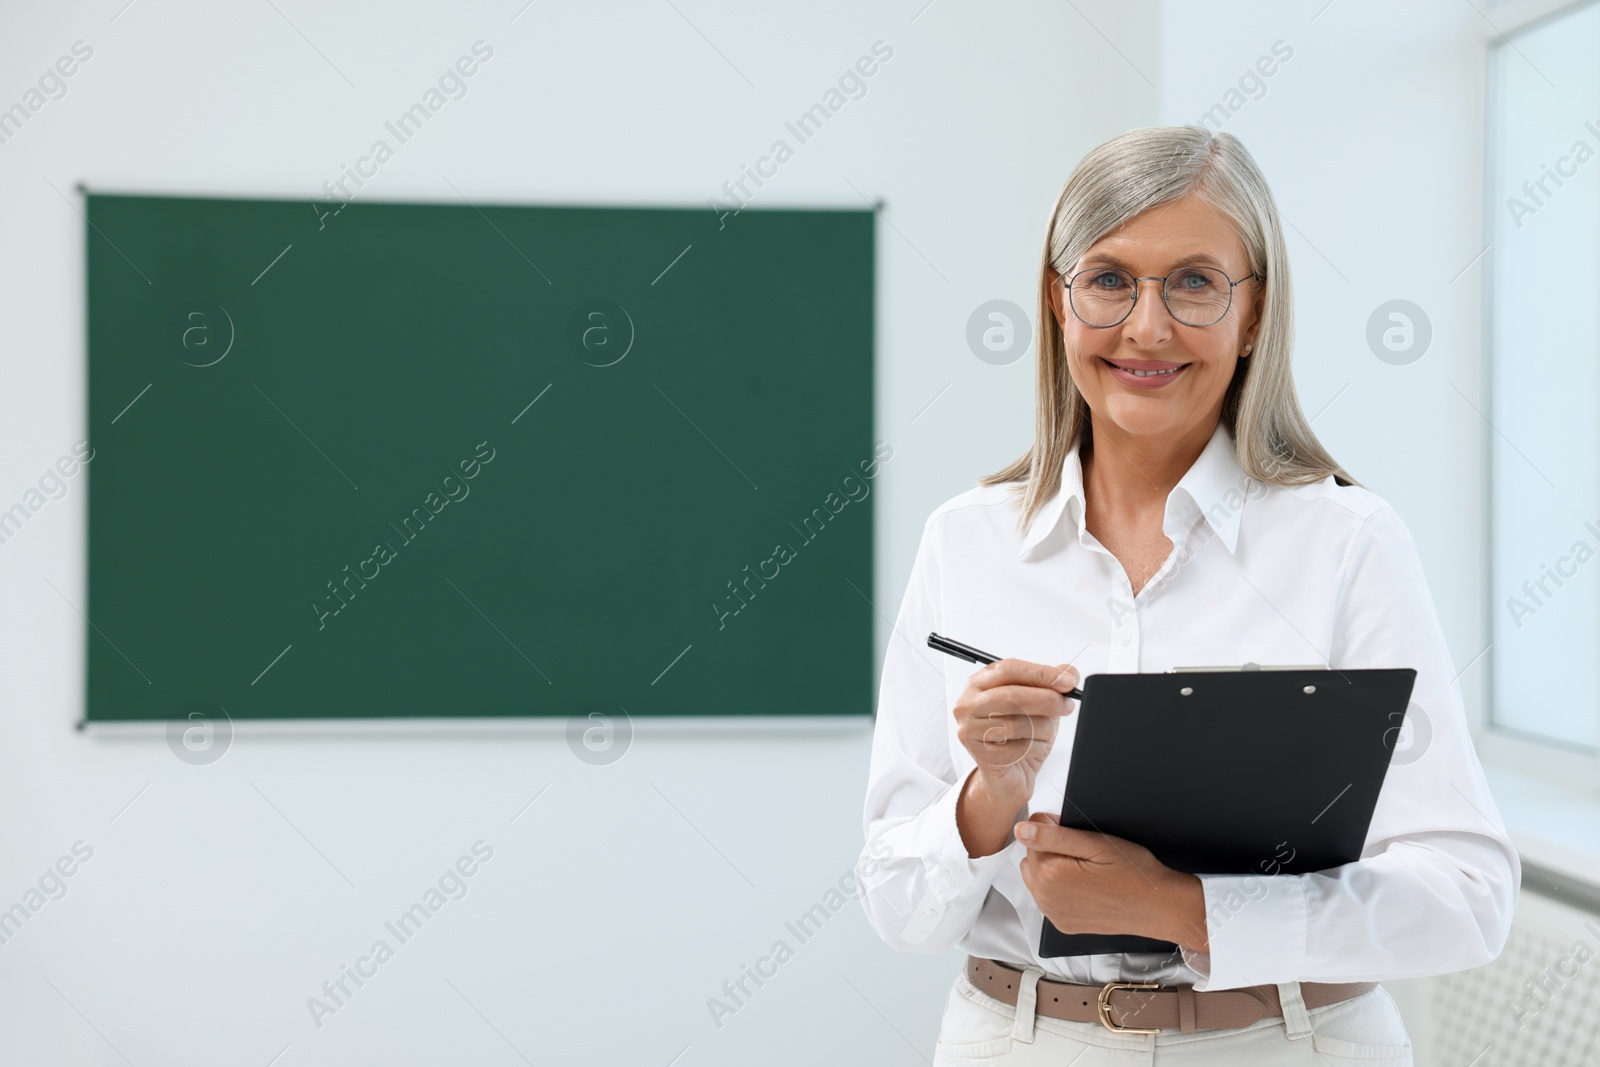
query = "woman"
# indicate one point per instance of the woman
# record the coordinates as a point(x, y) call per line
point(1174, 509)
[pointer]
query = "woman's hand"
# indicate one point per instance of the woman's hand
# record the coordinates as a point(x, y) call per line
point(1093, 883)
point(1006, 718)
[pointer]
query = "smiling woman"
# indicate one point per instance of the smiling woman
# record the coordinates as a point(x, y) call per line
point(1174, 508)
point(1186, 219)
point(1148, 203)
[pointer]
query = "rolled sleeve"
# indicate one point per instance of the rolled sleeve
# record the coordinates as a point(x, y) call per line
point(921, 871)
point(1257, 929)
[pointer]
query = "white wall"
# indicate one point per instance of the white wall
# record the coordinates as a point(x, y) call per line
point(218, 899)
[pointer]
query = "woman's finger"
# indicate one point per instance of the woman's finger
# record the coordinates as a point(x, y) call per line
point(1060, 677)
point(1024, 700)
point(997, 730)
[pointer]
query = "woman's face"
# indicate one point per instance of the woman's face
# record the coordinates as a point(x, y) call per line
point(1168, 406)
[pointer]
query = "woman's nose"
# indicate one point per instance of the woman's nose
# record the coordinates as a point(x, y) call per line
point(1149, 320)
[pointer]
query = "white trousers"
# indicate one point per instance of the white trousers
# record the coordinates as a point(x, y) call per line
point(979, 1030)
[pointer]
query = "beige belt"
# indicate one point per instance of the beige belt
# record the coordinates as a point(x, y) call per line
point(1145, 1007)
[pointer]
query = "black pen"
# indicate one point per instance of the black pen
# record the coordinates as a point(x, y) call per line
point(973, 655)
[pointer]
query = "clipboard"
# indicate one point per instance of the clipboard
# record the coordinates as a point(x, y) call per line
point(1230, 770)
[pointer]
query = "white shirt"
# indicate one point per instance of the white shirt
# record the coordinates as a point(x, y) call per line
point(1315, 574)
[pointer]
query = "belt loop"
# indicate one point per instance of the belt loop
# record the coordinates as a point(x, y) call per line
point(1027, 1000)
point(1186, 1023)
point(1296, 1020)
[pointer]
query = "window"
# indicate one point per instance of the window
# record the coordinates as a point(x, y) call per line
point(1543, 381)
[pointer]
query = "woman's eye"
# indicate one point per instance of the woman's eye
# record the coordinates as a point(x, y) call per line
point(1193, 281)
point(1108, 280)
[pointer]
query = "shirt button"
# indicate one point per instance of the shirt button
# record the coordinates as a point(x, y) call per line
point(930, 911)
point(1127, 638)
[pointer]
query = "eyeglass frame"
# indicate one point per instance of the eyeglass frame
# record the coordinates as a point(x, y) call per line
point(1163, 279)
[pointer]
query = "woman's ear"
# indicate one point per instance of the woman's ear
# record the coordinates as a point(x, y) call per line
point(1052, 282)
point(1257, 308)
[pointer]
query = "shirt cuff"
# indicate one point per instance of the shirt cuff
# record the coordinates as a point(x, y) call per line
point(951, 876)
point(1256, 929)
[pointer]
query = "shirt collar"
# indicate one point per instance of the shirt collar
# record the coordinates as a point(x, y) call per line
point(1214, 487)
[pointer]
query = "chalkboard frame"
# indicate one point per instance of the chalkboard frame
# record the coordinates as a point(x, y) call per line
point(231, 380)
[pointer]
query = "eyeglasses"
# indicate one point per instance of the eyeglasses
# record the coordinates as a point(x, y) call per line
point(1196, 296)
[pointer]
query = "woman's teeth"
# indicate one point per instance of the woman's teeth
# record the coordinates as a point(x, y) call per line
point(1147, 373)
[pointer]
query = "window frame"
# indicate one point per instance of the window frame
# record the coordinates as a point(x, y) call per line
point(1547, 758)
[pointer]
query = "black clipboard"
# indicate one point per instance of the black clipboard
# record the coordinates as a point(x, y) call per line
point(1264, 770)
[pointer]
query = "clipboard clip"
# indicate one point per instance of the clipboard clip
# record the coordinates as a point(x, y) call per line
point(1254, 667)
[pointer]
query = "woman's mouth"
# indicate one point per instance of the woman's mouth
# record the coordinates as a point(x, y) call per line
point(1145, 373)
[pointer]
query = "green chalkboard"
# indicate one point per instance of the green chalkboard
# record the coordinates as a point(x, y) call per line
point(472, 460)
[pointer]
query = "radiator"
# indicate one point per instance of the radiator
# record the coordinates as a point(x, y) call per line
point(1537, 1005)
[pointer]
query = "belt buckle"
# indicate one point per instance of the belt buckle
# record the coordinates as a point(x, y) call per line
point(1105, 1006)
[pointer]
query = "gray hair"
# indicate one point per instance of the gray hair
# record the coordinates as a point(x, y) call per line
point(1122, 178)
